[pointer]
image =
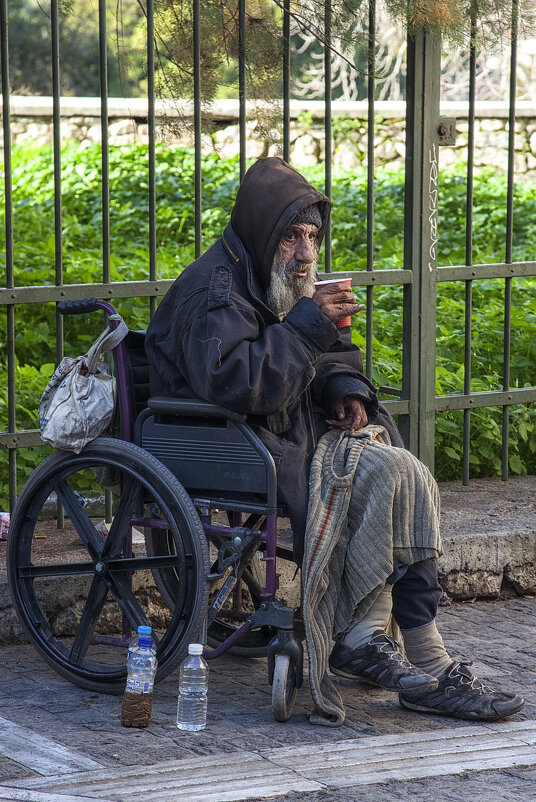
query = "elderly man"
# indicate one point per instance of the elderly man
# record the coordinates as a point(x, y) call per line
point(244, 327)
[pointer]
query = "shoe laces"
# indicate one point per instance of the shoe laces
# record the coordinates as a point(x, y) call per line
point(466, 678)
point(388, 646)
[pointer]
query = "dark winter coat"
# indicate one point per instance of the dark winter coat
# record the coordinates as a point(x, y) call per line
point(214, 337)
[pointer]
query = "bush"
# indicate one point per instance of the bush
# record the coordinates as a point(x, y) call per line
point(33, 195)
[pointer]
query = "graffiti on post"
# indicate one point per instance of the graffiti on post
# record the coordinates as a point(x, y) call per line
point(432, 207)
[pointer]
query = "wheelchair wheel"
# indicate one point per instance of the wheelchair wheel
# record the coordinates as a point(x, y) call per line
point(81, 590)
point(283, 687)
point(255, 642)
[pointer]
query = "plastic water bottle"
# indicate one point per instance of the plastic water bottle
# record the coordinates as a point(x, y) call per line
point(141, 669)
point(193, 686)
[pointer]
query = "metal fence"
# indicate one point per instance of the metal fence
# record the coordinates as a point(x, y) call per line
point(415, 402)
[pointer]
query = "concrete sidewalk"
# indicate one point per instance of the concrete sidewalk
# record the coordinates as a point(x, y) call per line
point(60, 743)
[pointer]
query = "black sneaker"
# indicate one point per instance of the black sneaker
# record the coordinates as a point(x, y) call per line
point(380, 663)
point(461, 695)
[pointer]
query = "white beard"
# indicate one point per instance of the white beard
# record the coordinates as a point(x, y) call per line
point(285, 289)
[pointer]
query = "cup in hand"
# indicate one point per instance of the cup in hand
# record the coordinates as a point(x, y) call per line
point(345, 321)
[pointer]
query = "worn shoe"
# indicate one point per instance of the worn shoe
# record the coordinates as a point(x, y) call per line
point(380, 663)
point(462, 695)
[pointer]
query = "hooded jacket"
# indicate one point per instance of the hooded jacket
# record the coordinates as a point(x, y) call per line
point(215, 337)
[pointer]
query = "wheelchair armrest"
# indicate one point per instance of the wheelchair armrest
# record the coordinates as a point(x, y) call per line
point(194, 407)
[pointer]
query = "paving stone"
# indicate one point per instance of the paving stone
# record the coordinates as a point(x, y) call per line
point(10, 769)
point(498, 635)
point(507, 785)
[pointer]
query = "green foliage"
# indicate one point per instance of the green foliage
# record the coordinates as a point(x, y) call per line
point(30, 382)
point(33, 228)
point(30, 48)
point(449, 19)
point(219, 51)
point(33, 197)
point(485, 453)
point(349, 236)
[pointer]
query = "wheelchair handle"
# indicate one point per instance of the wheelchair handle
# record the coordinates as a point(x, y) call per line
point(83, 306)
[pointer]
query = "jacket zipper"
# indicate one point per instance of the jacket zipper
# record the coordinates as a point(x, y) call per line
point(228, 249)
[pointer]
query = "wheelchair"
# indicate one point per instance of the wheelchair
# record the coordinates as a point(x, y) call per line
point(187, 542)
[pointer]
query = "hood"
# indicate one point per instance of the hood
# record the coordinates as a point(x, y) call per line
point(270, 194)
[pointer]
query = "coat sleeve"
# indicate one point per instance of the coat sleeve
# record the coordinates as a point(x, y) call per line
point(340, 372)
point(227, 356)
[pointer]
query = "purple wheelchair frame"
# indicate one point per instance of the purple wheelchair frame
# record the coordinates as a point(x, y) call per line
point(271, 612)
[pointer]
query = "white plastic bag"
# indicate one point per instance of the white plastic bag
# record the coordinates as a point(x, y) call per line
point(78, 402)
point(4, 525)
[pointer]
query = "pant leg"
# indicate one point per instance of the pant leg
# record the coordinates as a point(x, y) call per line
point(416, 593)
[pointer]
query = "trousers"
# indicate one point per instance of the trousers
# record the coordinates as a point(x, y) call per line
point(416, 593)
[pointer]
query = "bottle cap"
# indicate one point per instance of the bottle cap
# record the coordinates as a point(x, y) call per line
point(144, 630)
point(195, 648)
point(143, 640)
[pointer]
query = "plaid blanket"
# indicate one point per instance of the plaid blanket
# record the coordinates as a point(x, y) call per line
point(370, 505)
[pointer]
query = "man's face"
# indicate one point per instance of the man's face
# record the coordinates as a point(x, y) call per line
point(293, 267)
point(297, 249)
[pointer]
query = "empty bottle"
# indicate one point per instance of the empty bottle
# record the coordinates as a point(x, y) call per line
point(141, 669)
point(193, 686)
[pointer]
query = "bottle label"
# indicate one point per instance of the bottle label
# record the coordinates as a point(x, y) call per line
point(139, 686)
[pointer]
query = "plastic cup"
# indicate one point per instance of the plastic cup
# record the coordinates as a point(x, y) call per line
point(345, 321)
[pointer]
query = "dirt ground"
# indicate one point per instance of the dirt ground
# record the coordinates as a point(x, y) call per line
point(48, 539)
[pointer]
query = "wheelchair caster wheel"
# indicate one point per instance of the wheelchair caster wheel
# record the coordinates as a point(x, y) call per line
point(283, 687)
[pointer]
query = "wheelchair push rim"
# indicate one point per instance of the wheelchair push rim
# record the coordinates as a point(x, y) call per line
point(111, 584)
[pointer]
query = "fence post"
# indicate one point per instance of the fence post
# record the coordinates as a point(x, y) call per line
point(420, 242)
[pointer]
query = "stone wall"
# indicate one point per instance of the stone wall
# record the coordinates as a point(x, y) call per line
point(31, 120)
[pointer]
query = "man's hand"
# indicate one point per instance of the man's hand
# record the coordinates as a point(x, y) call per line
point(336, 301)
point(350, 413)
